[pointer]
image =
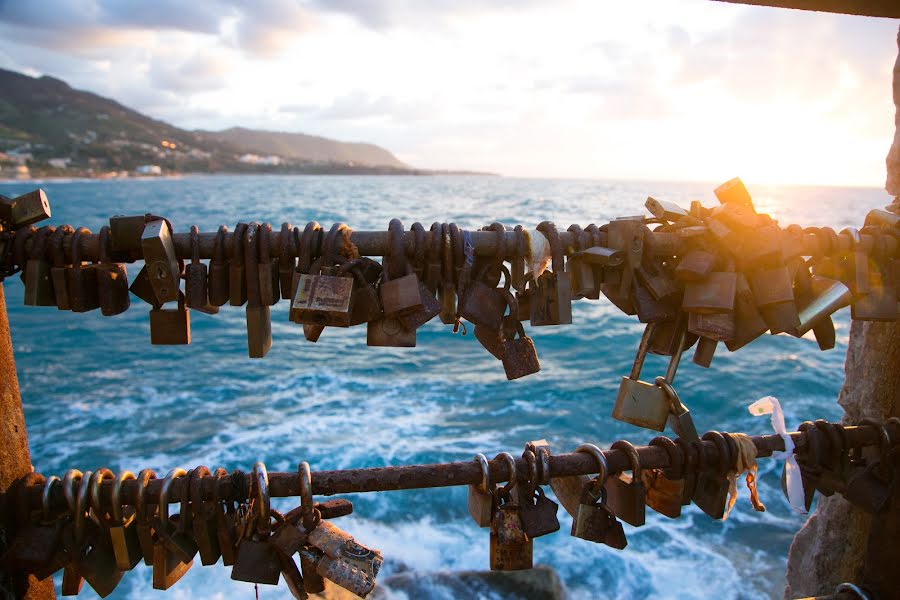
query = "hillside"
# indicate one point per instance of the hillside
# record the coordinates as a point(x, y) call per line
point(44, 118)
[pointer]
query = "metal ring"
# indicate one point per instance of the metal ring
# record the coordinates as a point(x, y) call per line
point(723, 450)
point(599, 481)
point(163, 504)
point(140, 505)
point(68, 483)
point(511, 467)
point(196, 489)
point(675, 469)
point(669, 389)
point(262, 494)
point(485, 485)
point(82, 501)
point(306, 499)
point(116, 511)
point(96, 479)
point(852, 588)
point(853, 234)
point(544, 455)
point(633, 458)
point(531, 459)
point(45, 496)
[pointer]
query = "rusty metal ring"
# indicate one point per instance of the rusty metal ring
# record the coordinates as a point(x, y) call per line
point(237, 240)
point(284, 242)
point(485, 485)
point(306, 498)
point(261, 479)
point(265, 233)
point(833, 438)
point(140, 505)
point(633, 458)
point(853, 589)
point(163, 504)
point(813, 443)
point(196, 488)
point(723, 450)
point(68, 485)
point(577, 237)
point(82, 505)
point(531, 460)
point(418, 250)
point(543, 455)
point(595, 487)
point(186, 510)
point(39, 244)
point(511, 467)
point(96, 479)
point(219, 245)
point(675, 469)
point(45, 495)
point(116, 506)
point(733, 450)
point(557, 256)
point(217, 492)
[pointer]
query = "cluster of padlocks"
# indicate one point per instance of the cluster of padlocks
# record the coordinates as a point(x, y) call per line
point(96, 543)
point(99, 532)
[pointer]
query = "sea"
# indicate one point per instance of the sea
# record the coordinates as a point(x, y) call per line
point(97, 394)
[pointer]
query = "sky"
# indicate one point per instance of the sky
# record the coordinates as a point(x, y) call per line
point(629, 89)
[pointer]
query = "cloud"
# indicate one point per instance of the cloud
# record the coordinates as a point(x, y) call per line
point(359, 105)
point(267, 27)
point(200, 73)
point(385, 14)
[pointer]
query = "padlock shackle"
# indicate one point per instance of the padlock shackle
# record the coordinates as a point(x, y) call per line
point(485, 485)
point(511, 467)
point(140, 504)
point(45, 495)
point(642, 350)
point(163, 504)
point(674, 361)
point(115, 509)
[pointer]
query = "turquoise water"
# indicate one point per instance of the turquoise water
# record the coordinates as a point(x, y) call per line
point(96, 393)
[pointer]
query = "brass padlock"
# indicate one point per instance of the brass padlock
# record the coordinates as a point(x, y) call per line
point(734, 191)
point(626, 234)
point(173, 552)
point(218, 281)
point(38, 282)
point(665, 210)
point(259, 320)
point(196, 286)
point(510, 548)
point(112, 281)
point(226, 521)
point(323, 299)
point(82, 279)
point(481, 497)
point(827, 297)
point(551, 298)
point(641, 403)
point(59, 272)
point(123, 530)
point(774, 295)
point(626, 495)
point(267, 270)
point(715, 294)
point(170, 326)
point(162, 262)
point(665, 487)
point(594, 521)
point(77, 538)
point(143, 517)
point(399, 287)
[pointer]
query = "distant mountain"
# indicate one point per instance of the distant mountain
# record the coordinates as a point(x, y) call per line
point(303, 147)
point(44, 118)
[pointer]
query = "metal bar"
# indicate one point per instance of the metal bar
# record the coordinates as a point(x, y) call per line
point(865, 8)
point(15, 460)
point(411, 477)
point(375, 243)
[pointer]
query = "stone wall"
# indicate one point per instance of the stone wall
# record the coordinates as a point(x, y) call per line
point(831, 546)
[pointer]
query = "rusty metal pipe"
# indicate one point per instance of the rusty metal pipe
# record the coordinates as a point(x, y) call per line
point(410, 477)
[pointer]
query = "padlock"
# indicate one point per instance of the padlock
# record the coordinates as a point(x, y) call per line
point(258, 315)
point(218, 281)
point(719, 327)
point(828, 296)
point(237, 276)
point(447, 287)
point(125, 233)
point(225, 521)
point(517, 263)
point(481, 304)
point(203, 518)
point(163, 265)
point(520, 357)
point(60, 269)
point(481, 497)
point(267, 270)
point(38, 283)
point(665, 210)
point(664, 341)
point(715, 294)
point(665, 487)
point(432, 272)
point(538, 512)
point(123, 530)
point(711, 493)
point(658, 282)
point(705, 351)
point(551, 298)
point(36, 546)
point(594, 521)
point(365, 305)
point(257, 560)
point(143, 517)
point(99, 566)
point(196, 287)
point(648, 308)
point(77, 536)
point(173, 552)
point(337, 570)
point(112, 281)
point(763, 247)
point(81, 279)
point(748, 321)
point(582, 272)
point(871, 487)
point(510, 548)
point(170, 326)
point(774, 296)
point(880, 303)
point(854, 263)
point(287, 262)
point(400, 287)
point(734, 191)
point(323, 299)
point(25, 210)
point(338, 544)
point(389, 331)
point(626, 495)
point(626, 234)
point(641, 403)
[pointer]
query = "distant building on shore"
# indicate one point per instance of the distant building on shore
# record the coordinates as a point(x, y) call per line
point(255, 159)
point(149, 170)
